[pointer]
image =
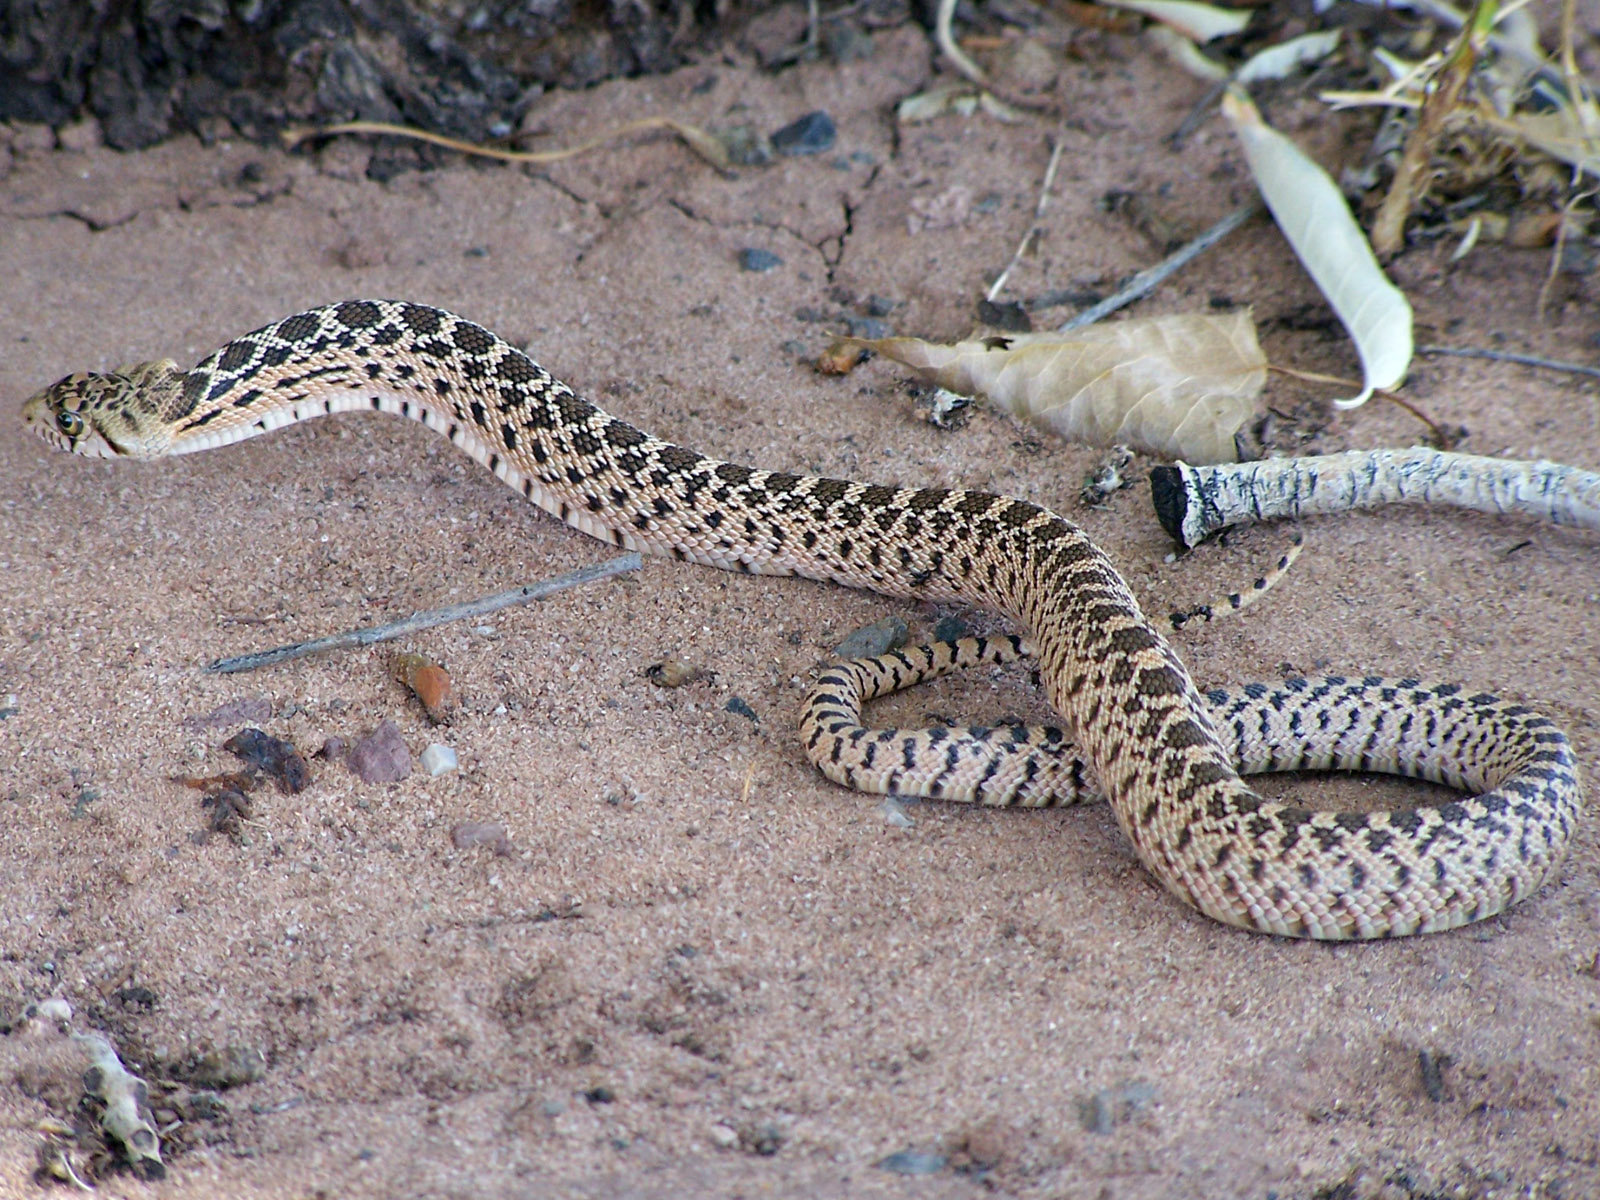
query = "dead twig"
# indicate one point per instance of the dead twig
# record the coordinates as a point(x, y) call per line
point(430, 618)
point(1511, 356)
point(1148, 280)
point(1033, 226)
point(1412, 174)
point(1438, 432)
point(698, 140)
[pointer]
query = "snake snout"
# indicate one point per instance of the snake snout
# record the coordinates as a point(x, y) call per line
point(93, 414)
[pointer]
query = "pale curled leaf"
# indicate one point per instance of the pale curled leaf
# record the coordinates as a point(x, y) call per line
point(1202, 22)
point(1275, 62)
point(1185, 53)
point(1313, 216)
point(962, 99)
point(1179, 386)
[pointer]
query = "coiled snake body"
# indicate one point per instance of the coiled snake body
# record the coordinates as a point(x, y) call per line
point(1167, 758)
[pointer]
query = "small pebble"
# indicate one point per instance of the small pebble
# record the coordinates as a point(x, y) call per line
point(844, 43)
point(359, 253)
point(950, 629)
point(381, 757)
point(81, 135)
point(55, 1009)
point(765, 1140)
point(745, 147)
point(880, 306)
point(202, 1106)
point(438, 759)
point(894, 813)
point(276, 758)
point(739, 708)
point(230, 1066)
point(872, 640)
point(672, 673)
point(230, 808)
point(1110, 1107)
point(986, 1145)
point(868, 327)
point(754, 259)
point(1008, 316)
point(467, 834)
point(245, 710)
point(723, 1137)
point(813, 133)
point(912, 1162)
point(136, 998)
point(334, 749)
point(28, 138)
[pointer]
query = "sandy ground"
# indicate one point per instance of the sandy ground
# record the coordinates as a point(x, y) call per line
point(701, 969)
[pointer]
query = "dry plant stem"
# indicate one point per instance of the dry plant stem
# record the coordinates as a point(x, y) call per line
point(1194, 502)
point(702, 142)
point(1202, 109)
point(1511, 356)
point(430, 618)
point(947, 42)
point(1435, 430)
point(1553, 272)
point(1569, 68)
point(1038, 216)
point(1409, 183)
point(1148, 280)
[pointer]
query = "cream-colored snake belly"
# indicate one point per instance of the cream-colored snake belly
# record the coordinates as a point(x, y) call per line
point(1148, 737)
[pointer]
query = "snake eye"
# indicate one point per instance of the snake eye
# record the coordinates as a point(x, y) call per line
point(69, 422)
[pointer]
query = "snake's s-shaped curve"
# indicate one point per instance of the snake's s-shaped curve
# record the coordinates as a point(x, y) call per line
point(1145, 731)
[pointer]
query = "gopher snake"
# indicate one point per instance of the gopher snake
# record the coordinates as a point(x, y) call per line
point(1146, 735)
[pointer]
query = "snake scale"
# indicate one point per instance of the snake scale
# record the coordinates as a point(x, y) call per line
point(1167, 757)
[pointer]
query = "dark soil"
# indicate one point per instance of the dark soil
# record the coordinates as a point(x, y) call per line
point(148, 70)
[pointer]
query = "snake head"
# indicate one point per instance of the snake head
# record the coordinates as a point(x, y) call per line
point(112, 414)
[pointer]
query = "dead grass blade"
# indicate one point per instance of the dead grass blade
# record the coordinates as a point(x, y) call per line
point(705, 144)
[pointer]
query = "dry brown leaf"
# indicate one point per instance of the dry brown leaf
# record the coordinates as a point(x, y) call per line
point(1180, 386)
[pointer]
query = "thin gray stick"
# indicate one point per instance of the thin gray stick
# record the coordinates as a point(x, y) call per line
point(1038, 216)
point(427, 620)
point(1148, 280)
point(1526, 360)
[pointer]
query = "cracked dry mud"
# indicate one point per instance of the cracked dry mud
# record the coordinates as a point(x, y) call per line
point(701, 969)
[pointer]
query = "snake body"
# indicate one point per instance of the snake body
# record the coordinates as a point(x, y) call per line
point(1143, 730)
